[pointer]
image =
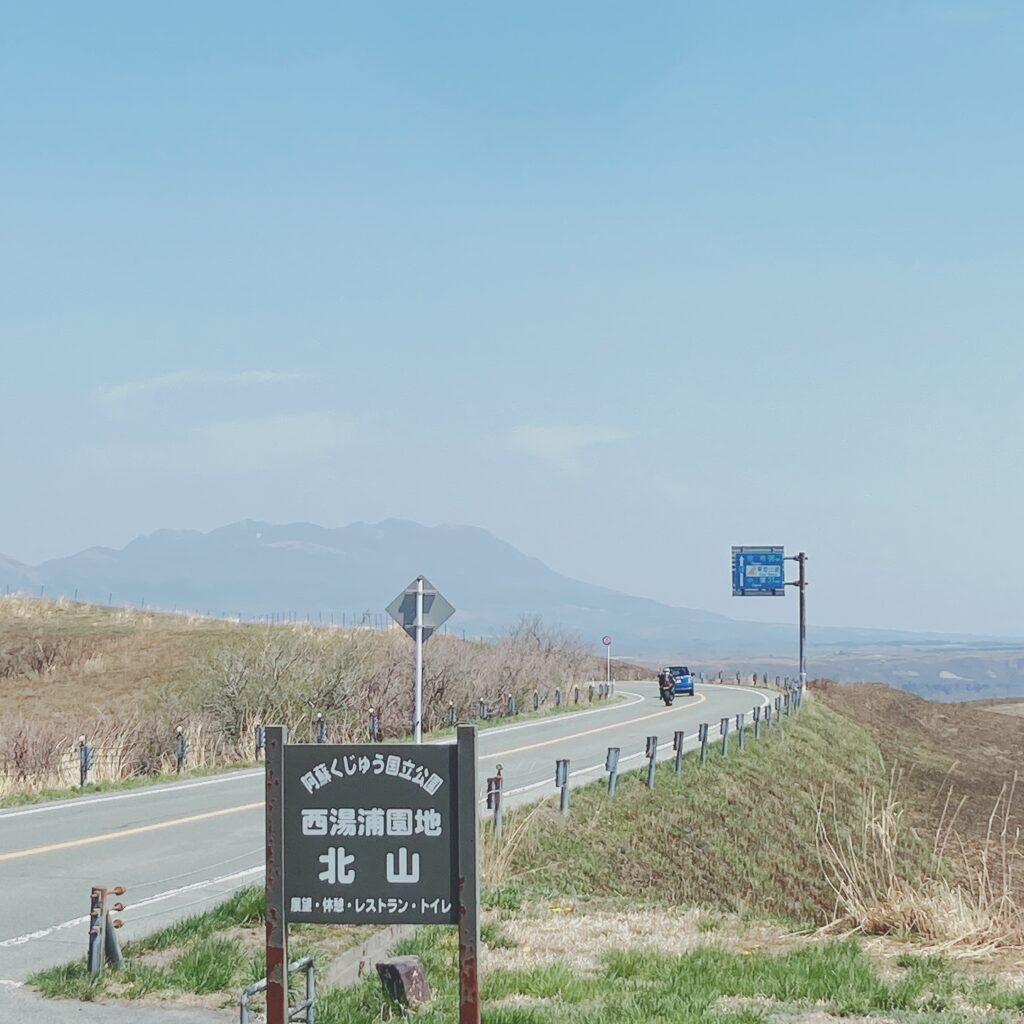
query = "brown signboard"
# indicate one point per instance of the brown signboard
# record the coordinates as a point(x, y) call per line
point(371, 833)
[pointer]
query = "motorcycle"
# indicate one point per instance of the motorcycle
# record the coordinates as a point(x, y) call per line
point(667, 689)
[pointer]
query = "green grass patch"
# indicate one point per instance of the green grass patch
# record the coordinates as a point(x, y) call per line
point(640, 987)
point(737, 835)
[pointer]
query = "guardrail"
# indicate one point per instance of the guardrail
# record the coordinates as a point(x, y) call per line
point(768, 714)
point(305, 1011)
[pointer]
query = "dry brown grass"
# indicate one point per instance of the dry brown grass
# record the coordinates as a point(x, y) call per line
point(971, 910)
point(128, 679)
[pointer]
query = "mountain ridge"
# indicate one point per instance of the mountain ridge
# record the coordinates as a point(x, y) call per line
point(254, 569)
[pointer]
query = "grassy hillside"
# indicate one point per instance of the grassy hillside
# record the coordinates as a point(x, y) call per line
point(958, 765)
point(737, 835)
point(127, 679)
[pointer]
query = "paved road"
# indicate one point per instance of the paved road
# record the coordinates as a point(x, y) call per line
point(182, 847)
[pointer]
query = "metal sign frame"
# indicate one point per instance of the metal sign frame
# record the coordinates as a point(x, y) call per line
point(283, 843)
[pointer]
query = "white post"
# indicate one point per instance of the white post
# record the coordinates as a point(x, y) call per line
point(418, 714)
point(608, 664)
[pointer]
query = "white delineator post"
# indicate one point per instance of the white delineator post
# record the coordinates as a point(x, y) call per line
point(608, 664)
point(418, 715)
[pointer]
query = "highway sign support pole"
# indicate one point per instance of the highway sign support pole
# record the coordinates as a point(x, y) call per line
point(419, 660)
point(801, 585)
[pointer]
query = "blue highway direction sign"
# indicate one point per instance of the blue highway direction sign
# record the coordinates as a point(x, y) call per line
point(758, 572)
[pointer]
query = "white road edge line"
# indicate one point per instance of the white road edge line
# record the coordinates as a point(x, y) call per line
point(693, 740)
point(62, 805)
point(68, 805)
point(20, 940)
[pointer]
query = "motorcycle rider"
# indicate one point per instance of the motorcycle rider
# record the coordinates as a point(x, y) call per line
point(665, 681)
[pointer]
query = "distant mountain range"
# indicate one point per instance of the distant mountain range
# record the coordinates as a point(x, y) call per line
point(257, 569)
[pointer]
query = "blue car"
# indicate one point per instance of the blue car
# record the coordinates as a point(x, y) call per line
point(683, 679)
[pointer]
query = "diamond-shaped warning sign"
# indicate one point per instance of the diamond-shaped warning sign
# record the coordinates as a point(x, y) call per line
point(436, 609)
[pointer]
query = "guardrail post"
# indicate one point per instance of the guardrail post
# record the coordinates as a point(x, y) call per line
point(778, 708)
point(321, 729)
point(494, 784)
point(723, 728)
point(510, 705)
point(590, 694)
point(768, 716)
point(562, 782)
point(481, 709)
point(180, 749)
point(536, 700)
point(739, 679)
point(702, 735)
point(84, 761)
point(719, 675)
point(740, 722)
point(260, 740)
point(786, 703)
point(558, 697)
point(757, 722)
point(373, 726)
point(576, 695)
point(453, 717)
point(611, 766)
point(678, 739)
point(652, 759)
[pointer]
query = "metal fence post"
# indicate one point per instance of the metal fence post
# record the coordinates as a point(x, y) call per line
point(260, 739)
point(739, 679)
point(373, 726)
point(768, 716)
point(757, 722)
point(740, 721)
point(723, 728)
point(562, 782)
point(678, 740)
point(576, 695)
point(510, 705)
point(321, 729)
point(84, 761)
point(590, 694)
point(652, 758)
point(536, 700)
point(702, 735)
point(494, 800)
point(558, 697)
point(611, 766)
point(180, 749)
point(452, 716)
point(778, 708)
point(482, 708)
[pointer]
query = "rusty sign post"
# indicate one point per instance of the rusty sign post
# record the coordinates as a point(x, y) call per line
point(372, 834)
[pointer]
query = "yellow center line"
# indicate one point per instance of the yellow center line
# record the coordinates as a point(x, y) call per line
point(121, 833)
point(700, 698)
point(206, 815)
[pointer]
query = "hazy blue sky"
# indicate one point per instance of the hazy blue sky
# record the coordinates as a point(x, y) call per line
point(624, 283)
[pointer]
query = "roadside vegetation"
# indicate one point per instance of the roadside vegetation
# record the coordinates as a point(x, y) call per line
point(771, 885)
point(127, 680)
